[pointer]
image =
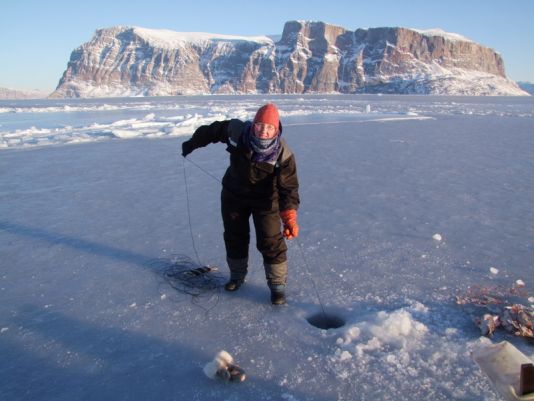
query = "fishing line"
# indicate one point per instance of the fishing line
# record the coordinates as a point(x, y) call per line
point(189, 213)
point(203, 170)
point(203, 284)
point(311, 278)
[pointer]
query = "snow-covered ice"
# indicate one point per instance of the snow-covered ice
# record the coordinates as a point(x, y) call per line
point(52, 122)
point(85, 229)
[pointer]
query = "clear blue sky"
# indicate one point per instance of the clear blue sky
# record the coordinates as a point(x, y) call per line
point(37, 36)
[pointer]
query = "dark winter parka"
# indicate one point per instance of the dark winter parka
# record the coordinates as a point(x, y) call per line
point(262, 182)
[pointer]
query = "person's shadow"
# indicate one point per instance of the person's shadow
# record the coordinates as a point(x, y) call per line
point(76, 243)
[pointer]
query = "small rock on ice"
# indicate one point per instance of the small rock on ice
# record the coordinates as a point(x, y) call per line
point(494, 270)
point(437, 237)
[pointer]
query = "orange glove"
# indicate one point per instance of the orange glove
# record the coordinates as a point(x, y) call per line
point(289, 219)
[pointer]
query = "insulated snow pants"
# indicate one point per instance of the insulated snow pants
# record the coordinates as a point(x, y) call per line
point(236, 213)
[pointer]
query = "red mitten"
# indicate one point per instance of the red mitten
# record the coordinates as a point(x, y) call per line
point(289, 219)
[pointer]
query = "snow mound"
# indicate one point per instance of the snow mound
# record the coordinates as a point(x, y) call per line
point(402, 349)
point(393, 333)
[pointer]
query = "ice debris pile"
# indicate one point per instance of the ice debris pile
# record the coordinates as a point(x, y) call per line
point(389, 336)
point(395, 347)
point(396, 330)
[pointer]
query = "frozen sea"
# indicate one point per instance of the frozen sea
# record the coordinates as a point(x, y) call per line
point(94, 211)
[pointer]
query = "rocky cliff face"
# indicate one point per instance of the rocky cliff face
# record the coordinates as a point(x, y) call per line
point(310, 57)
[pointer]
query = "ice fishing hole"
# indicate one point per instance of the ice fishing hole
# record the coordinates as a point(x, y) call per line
point(325, 321)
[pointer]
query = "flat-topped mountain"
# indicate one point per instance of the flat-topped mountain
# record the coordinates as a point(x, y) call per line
point(310, 57)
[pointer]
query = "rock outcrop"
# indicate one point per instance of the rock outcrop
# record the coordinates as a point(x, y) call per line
point(310, 57)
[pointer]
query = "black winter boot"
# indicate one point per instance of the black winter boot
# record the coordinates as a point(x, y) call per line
point(233, 285)
point(238, 271)
point(278, 294)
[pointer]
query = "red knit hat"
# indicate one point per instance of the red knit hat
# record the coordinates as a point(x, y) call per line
point(268, 114)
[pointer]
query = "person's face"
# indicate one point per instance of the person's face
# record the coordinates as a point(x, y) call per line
point(265, 131)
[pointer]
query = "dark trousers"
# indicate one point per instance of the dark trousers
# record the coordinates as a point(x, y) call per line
point(236, 213)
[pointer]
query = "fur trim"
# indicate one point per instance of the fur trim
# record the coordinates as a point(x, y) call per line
point(218, 367)
point(224, 357)
point(222, 367)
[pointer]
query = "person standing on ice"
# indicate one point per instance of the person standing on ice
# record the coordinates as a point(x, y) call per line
point(261, 182)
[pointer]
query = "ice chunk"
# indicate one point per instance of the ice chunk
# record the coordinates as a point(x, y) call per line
point(345, 355)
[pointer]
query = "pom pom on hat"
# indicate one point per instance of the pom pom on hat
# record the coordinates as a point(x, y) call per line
point(268, 114)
